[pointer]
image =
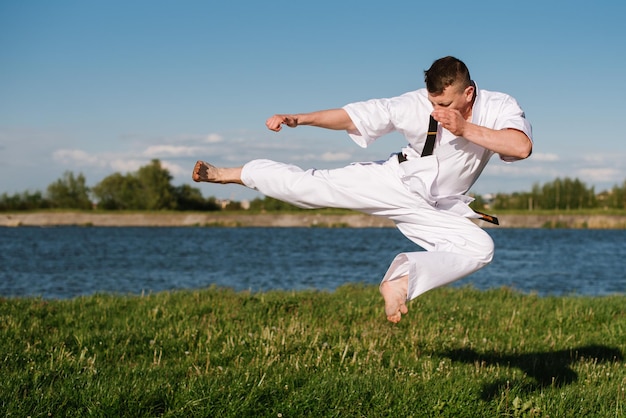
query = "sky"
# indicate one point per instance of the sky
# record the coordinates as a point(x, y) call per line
point(100, 87)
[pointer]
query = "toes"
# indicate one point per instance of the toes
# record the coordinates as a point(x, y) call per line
point(394, 318)
point(200, 172)
point(196, 172)
point(397, 315)
point(395, 298)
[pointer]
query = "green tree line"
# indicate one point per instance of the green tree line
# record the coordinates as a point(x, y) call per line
point(150, 188)
point(563, 195)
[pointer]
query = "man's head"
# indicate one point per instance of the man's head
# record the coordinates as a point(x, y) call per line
point(449, 84)
point(445, 72)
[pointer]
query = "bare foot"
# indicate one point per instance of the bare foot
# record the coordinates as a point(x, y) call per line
point(204, 172)
point(394, 292)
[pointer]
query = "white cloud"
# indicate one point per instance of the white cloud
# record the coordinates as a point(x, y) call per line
point(124, 165)
point(213, 138)
point(163, 151)
point(304, 157)
point(176, 170)
point(599, 174)
point(77, 157)
point(544, 157)
point(335, 156)
point(107, 161)
point(122, 162)
point(520, 169)
point(598, 159)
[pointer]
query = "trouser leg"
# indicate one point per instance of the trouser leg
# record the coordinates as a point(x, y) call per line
point(455, 247)
point(367, 187)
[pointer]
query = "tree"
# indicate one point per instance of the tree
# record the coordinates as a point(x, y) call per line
point(190, 198)
point(156, 191)
point(561, 194)
point(617, 197)
point(271, 204)
point(23, 201)
point(147, 189)
point(119, 192)
point(69, 192)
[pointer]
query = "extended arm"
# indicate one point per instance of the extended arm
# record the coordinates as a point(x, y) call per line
point(330, 119)
point(506, 142)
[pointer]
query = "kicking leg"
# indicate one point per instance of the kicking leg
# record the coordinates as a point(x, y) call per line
point(205, 172)
point(395, 294)
point(366, 187)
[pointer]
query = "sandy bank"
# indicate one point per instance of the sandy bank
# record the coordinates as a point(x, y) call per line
point(304, 219)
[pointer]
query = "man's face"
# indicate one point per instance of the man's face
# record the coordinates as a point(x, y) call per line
point(454, 97)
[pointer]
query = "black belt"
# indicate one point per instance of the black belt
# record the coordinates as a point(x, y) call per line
point(429, 146)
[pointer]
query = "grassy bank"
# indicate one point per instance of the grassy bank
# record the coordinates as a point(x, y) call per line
point(331, 218)
point(214, 352)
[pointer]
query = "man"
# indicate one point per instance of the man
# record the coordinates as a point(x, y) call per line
point(423, 195)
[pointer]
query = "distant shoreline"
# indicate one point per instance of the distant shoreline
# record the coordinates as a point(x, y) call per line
point(276, 219)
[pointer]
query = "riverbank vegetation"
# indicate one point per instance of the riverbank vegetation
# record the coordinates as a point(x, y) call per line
point(150, 189)
point(215, 352)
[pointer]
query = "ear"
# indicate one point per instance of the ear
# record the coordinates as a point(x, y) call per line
point(469, 93)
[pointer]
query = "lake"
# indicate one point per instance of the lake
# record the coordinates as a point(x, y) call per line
point(65, 262)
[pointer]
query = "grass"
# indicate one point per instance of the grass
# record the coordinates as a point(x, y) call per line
point(215, 352)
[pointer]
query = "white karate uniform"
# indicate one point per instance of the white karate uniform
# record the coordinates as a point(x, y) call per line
point(425, 197)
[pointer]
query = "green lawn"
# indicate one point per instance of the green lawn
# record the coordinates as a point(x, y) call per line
point(218, 353)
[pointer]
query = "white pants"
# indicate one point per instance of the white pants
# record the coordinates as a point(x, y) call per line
point(455, 246)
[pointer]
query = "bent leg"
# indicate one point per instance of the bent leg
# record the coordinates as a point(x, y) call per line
point(455, 247)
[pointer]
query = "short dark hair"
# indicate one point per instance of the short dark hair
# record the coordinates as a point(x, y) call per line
point(445, 72)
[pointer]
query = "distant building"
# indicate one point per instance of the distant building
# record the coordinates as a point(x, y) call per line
point(225, 203)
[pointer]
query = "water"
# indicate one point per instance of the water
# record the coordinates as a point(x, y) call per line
point(64, 262)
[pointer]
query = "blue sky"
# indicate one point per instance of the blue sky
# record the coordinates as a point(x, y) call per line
point(105, 86)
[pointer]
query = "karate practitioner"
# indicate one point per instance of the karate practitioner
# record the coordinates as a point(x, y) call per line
point(425, 196)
